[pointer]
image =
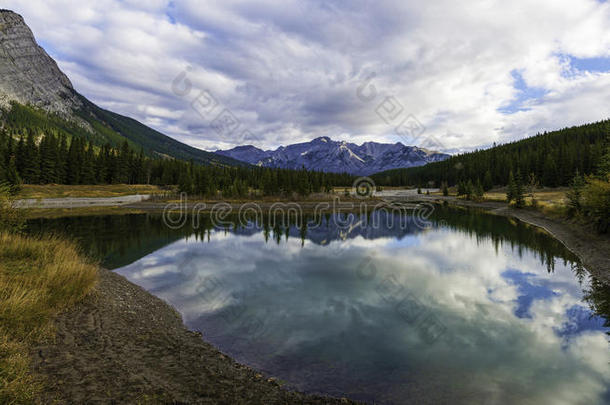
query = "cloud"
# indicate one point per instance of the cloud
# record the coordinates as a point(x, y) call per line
point(289, 71)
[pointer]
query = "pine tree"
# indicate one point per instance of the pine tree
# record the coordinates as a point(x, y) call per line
point(487, 181)
point(469, 190)
point(512, 188)
point(31, 168)
point(88, 167)
point(519, 196)
point(48, 151)
point(549, 178)
point(12, 176)
point(73, 162)
point(478, 191)
point(574, 195)
point(60, 160)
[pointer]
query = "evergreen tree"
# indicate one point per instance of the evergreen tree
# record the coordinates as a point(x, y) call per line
point(12, 176)
point(574, 195)
point(48, 158)
point(478, 191)
point(550, 172)
point(511, 193)
point(60, 160)
point(487, 181)
point(31, 168)
point(469, 190)
point(88, 167)
point(519, 195)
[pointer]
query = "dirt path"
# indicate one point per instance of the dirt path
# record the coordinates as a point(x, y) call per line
point(79, 202)
point(125, 346)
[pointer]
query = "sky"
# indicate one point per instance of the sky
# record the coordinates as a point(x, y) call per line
point(446, 75)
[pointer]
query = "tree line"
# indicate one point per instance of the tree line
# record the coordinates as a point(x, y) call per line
point(552, 158)
point(58, 159)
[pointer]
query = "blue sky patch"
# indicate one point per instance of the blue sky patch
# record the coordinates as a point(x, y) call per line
point(600, 64)
point(524, 95)
point(528, 292)
point(579, 319)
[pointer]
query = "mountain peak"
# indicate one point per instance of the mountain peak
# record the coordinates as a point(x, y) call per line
point(324, 154)
point(29, 75)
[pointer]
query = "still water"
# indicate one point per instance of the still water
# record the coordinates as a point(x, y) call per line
point(472, 309)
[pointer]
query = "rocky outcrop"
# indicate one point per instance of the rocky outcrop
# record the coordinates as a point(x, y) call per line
point(28, 74)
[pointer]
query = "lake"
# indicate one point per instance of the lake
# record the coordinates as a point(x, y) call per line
point(464, 308)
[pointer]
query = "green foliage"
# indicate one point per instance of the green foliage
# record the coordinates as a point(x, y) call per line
point(478, 192)
point(512, 188)
point(553, 157)
point(103, 127)
point(488, 182)
point(469, 190)
point(445, 188)
point(515, 190)
point(596, 203)
point(574, 195)
point(596, 193)
point(518, 191)
point(531, 185)
point(54, 160)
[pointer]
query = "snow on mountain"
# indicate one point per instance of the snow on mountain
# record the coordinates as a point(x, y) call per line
point(336, 156)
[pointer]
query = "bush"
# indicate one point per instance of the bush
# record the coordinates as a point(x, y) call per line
point(574, 195)
point(596, 203)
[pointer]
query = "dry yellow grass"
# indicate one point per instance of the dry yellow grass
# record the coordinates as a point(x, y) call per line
point(39, 278)
point(550, 201)
point(101, 190)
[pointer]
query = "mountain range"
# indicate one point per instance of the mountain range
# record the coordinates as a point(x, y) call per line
point(35, 94)
point(337, 156)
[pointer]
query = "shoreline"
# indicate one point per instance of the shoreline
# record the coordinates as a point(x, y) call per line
point(123, 345)
point(591, 248)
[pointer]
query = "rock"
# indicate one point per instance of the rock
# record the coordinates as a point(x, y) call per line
point(29, 75)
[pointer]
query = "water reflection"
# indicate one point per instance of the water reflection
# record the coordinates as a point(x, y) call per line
point(478, 309)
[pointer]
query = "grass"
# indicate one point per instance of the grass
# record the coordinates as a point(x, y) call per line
point(103, 190)
point(551, 202)
point(39, 278)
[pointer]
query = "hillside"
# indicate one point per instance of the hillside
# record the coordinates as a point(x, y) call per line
point(36, 96)
point(552, 157)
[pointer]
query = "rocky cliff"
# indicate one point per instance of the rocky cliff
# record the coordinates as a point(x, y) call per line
point(28, 74)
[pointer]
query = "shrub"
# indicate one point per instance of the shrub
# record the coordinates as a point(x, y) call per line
point(596, 203)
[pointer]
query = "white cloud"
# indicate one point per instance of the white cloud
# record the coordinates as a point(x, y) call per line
point(289, 70)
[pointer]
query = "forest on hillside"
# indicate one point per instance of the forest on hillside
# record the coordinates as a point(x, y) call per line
point(553, 158)
point(56, 160)
point(103, 127)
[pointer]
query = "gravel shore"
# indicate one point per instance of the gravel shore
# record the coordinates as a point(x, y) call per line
point(125, 346)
